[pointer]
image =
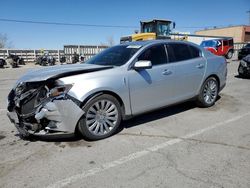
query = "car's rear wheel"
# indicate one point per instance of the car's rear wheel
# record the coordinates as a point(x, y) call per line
point(229, 54)
point(102, 117)
point(208, 93)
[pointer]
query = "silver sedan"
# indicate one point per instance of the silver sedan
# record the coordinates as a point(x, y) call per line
point(119, 83)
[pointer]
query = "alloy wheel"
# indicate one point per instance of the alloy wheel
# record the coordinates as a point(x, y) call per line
point(101, 117)
point(210, 91)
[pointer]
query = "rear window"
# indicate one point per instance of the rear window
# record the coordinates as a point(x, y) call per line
point(195, 52)
point(225, 43)
point(231, 42)
point(178, 52)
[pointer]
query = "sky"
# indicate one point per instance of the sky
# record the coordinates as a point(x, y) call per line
point(189, 16)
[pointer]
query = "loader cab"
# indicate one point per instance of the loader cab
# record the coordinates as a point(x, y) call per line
point(161, 28)
point(151, 30)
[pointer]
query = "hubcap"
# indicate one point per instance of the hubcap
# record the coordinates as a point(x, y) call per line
point(230, 54)
point(101, 117)
point(210, 92)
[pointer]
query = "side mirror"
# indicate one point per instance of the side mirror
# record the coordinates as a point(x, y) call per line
point(174, 25)
point(143, 64)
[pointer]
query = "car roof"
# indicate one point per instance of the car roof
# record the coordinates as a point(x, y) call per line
point(151, 42)
point(140, 43)
point(216, 39)
point(153, 20)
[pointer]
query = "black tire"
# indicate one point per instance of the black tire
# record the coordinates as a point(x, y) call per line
point(201, 100)
point(14, 65)
point(83, 126)
point(44, 63)
point(241, 75)
point(229, 54)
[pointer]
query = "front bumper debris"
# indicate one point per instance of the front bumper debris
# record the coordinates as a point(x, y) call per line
point(34, 112)
point(13, 117)
point(20, 127)
point(62, 116)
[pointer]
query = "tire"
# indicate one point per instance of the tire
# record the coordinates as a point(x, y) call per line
point(208, 93)
point(229, 54)
point(101, 119)
point(14, 65)
point(240, 71)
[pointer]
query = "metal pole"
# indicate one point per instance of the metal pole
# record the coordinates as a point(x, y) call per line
point(34, 55)
point(58, 55)
point(249, 17)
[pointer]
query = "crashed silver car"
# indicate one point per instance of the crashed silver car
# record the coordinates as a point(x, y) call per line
point(120, 82)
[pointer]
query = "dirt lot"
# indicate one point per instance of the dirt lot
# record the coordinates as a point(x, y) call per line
point(179, 146)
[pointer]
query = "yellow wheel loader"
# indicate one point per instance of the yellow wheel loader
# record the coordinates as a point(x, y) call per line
point(150, 30)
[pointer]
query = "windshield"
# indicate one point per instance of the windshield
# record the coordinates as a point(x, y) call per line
point(148, 28)
point(163, 28)
point(114, 56)
point(247, 46)
point(210, 43)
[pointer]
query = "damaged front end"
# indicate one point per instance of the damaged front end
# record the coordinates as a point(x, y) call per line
point(44, 107)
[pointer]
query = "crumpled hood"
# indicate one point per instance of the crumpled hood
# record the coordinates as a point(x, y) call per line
point(60, 71)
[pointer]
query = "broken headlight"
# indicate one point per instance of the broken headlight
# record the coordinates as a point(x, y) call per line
point(60, 90)
point(20, 88)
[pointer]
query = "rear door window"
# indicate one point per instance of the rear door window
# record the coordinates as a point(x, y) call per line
point(225, 43)
point(231, 42)
point(195, 52)
point(178, 52)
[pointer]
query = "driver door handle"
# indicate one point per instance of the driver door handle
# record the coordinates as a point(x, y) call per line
point(167, 72)
point(200, 65)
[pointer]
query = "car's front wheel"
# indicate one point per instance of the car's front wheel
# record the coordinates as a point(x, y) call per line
point(102, 117)
point(208, 93)
point(241, 71)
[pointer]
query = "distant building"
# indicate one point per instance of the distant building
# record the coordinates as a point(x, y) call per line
point(239, 33)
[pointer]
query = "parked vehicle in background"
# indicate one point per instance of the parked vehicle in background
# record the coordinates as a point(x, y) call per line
point(118, 83)
point(15, 60)
point(82, 58)
point(21, 61)
point(244, 67)
point(75, 58)
point(2, 62)
point(46, 60)
point(62, 59)
point(243, 52)
point(221, 47)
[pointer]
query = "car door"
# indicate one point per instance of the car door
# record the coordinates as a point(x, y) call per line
point(189, 67)
point(151, 88)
